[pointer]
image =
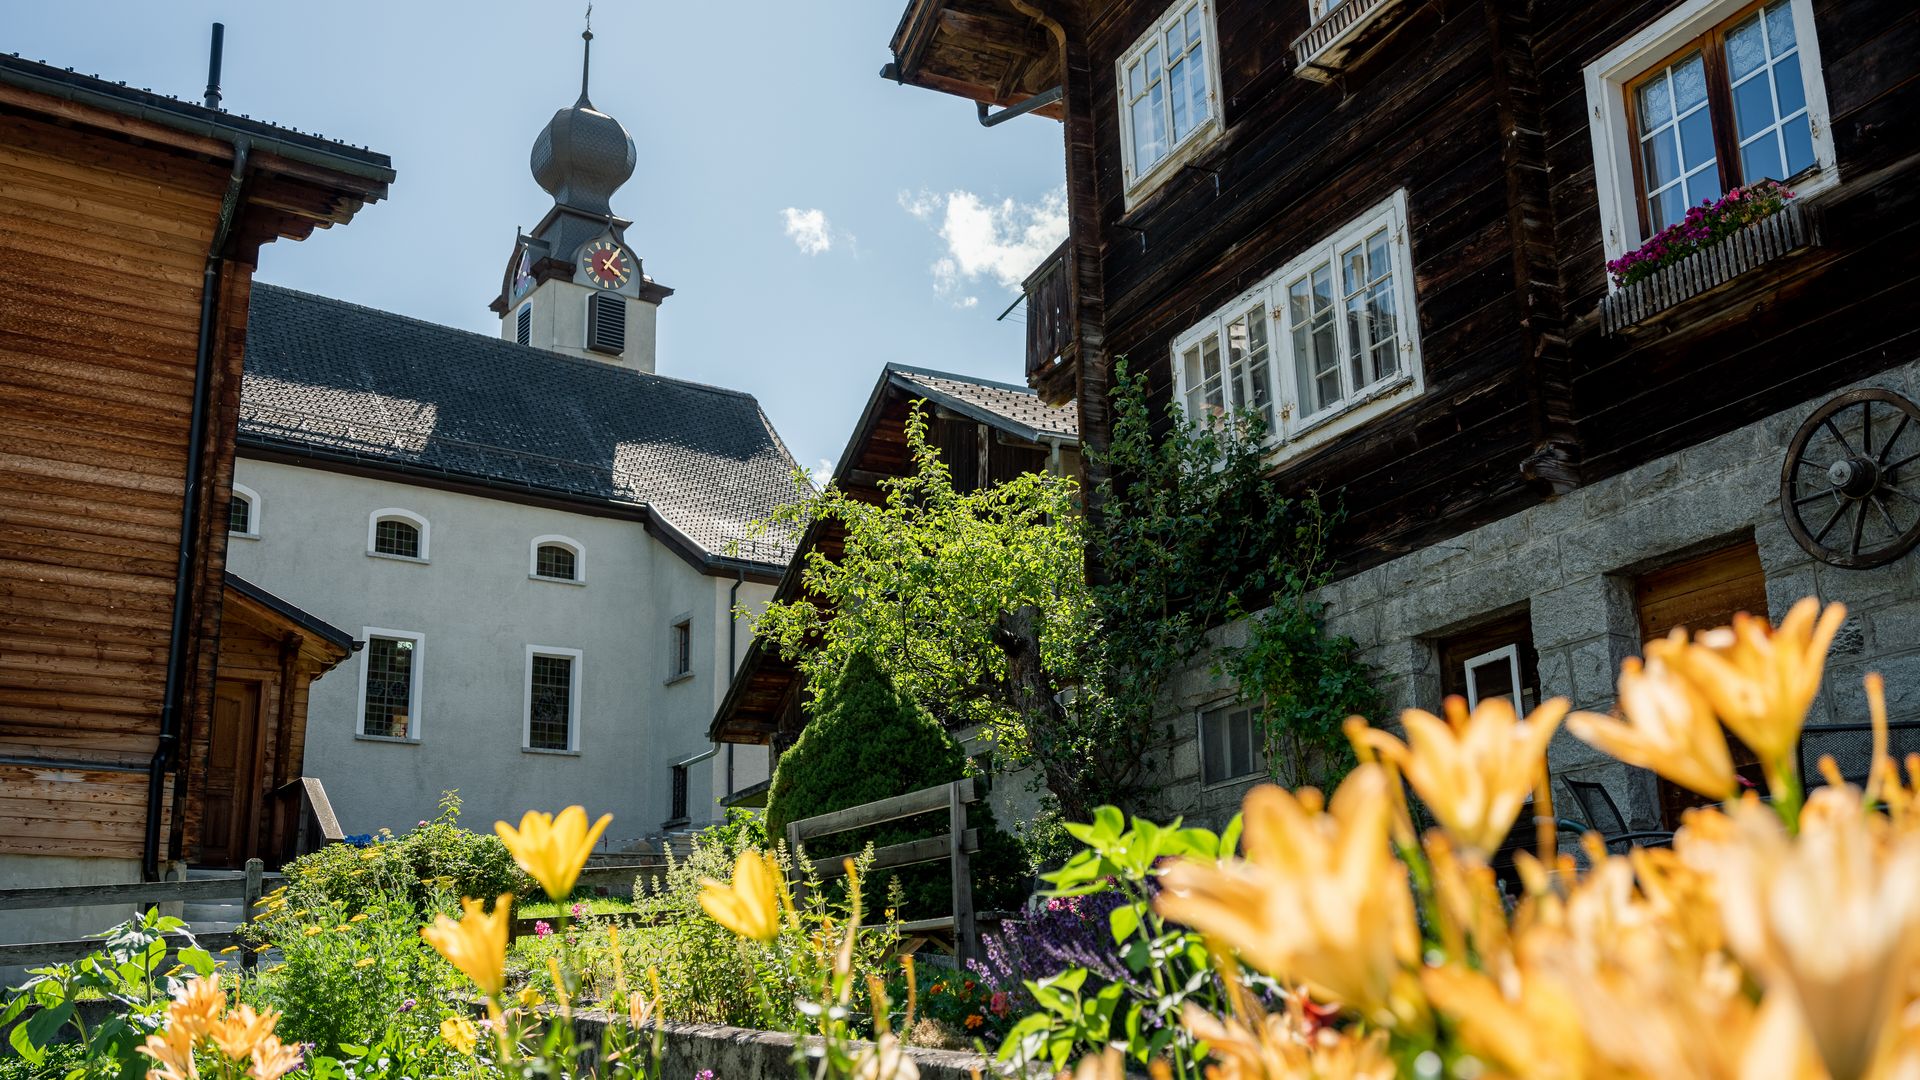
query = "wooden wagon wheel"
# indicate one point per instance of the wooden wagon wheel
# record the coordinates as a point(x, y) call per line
point(1850, 486)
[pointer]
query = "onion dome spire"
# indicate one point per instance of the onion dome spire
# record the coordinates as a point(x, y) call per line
point(583, 155)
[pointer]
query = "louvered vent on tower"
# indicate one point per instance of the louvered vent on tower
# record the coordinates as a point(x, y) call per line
point(607, 323)
point(523, 330)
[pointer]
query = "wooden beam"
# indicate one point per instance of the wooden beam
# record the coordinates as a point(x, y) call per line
point(909, 853)
point(148, 892)
point(882, 811)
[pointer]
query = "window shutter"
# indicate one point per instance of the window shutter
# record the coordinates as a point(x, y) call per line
point(607, 323)
point(523, 331)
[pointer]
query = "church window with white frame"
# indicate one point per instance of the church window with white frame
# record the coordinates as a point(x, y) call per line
point(558, 558)
point(1328, 341)
point(1715, 94)
point(1168, 84)
point(243, 513)
point(394, 533)
point(553, 700)
point(390, 684)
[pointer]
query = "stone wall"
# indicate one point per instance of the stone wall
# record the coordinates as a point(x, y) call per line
point(1570, 561)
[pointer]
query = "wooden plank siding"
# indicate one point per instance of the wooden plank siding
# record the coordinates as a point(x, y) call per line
point(111, 201)
point(98, 328)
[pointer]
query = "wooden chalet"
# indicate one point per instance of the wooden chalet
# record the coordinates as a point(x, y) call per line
point(147, 703)
point(1388, 226)
point(987, 433)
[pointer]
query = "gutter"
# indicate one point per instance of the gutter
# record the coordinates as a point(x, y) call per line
point(166, 754)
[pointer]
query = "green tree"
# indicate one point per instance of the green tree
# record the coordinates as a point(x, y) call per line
point(868, 741)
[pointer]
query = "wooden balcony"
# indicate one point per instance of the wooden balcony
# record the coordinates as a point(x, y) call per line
point(1051, 327)
point(1346, 34)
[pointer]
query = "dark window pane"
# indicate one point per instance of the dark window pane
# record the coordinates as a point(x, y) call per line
point(1787, 85)
point(240, 515)
point(392, 537)
point(1799, 145)
point(1761, 158)
point(389, 687)
point(1662, 158)
point(1696, 139)
point(1667, 207)
point(551, 707)
point(555, 561)
point(1213, 744)
point(1752, 107)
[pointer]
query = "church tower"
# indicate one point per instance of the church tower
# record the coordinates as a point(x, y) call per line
point(574, 286)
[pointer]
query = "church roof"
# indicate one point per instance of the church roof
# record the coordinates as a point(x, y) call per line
point(333, 380)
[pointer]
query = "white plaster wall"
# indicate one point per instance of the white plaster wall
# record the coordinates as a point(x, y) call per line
point(478, 610)
point(560, 324)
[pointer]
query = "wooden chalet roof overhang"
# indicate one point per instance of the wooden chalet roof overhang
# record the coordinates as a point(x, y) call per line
point(987, 51)
point(765, 700)
point(294, 182)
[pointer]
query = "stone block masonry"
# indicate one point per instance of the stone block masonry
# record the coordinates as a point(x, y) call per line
point(1571, 562)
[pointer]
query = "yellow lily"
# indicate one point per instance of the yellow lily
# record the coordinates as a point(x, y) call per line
point(172, 1049)
point(477, 944)
point(1670, 727)
point(459, 1033)
point(1319, 899)
point(197, 1006)
point(750, 906)
point(238, 1032)
point(553, 848)
point(1474, 770)
point(1761, 682)
point(273, 1059)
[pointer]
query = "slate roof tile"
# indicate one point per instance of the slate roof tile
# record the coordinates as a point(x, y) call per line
point(331, 377)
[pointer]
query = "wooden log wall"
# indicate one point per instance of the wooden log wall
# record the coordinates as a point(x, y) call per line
point(1477, 108)
point(102, 244)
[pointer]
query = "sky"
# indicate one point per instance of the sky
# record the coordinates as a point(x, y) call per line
point(814, 220)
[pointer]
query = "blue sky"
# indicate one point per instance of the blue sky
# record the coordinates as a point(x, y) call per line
point(815, 220)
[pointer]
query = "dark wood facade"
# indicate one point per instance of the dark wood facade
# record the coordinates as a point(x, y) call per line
point(765, 703)
point(112, 202)
point(1478, 110)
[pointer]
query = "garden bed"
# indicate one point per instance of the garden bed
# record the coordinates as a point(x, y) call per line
point(745, 1054)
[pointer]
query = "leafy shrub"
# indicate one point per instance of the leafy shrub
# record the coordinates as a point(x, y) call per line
point(868, 741)
point(350, 971)
point(434, 855)
point(707, 974)
point(132, 969)
point(962, 1006)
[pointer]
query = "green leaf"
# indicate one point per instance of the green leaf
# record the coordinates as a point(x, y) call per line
point(43, 1026)
point(1230, 837)
point(24, 1045)
point(1123, 921)
point(200, 960)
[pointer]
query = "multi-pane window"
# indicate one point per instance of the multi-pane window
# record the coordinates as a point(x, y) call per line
point(1232, 744)
point(1328, 332)
point(391, 686)
point(392, 536)
point(1166, 87)
point(555, 561)
point(550, 702)
point(1728, 108)
point(240, 514)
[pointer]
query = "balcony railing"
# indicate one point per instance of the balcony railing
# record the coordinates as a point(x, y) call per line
point(1335, 39)
point(1050, 322)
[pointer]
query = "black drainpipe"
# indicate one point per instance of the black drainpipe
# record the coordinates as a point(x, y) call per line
point(166, 756)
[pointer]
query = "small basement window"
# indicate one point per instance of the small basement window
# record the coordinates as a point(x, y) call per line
point(607, 323)
point(1232, 744)
point(557, 558)
point(397, 534)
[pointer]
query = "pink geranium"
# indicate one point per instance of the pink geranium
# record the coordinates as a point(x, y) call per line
point(1703, 226)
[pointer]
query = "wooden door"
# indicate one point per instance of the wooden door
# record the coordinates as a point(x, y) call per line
point(232, 794)
point(1700, 594)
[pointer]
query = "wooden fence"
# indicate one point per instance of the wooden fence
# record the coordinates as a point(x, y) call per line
point(956, 846)
point(246, 886)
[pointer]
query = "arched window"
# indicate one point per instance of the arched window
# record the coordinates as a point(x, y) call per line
point(558, 558)
point(243, 513)
point(397, 534)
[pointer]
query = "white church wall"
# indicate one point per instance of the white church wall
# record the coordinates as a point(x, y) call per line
point(559, 323)
point(477, 611)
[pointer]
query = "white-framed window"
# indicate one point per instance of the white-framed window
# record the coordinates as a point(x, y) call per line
point(552, 721)
point(393, 533)
point(680, 649)
point(1328, 342)
point(1169, 93)
point(1232, 745)
point(243, 513)
point(1493, 674)
point(557, 558)
point(1713, 94)
point(390, 682)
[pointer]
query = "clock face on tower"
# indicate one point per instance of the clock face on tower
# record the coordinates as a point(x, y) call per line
point(605, 264)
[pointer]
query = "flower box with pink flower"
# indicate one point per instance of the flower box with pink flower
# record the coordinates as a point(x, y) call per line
point(1715, 242)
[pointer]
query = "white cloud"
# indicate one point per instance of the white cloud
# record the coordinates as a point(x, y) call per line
point(823, 474)
point(1000, 242)
point(808, 229)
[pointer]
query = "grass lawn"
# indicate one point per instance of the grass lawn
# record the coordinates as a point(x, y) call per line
point(548, 909)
